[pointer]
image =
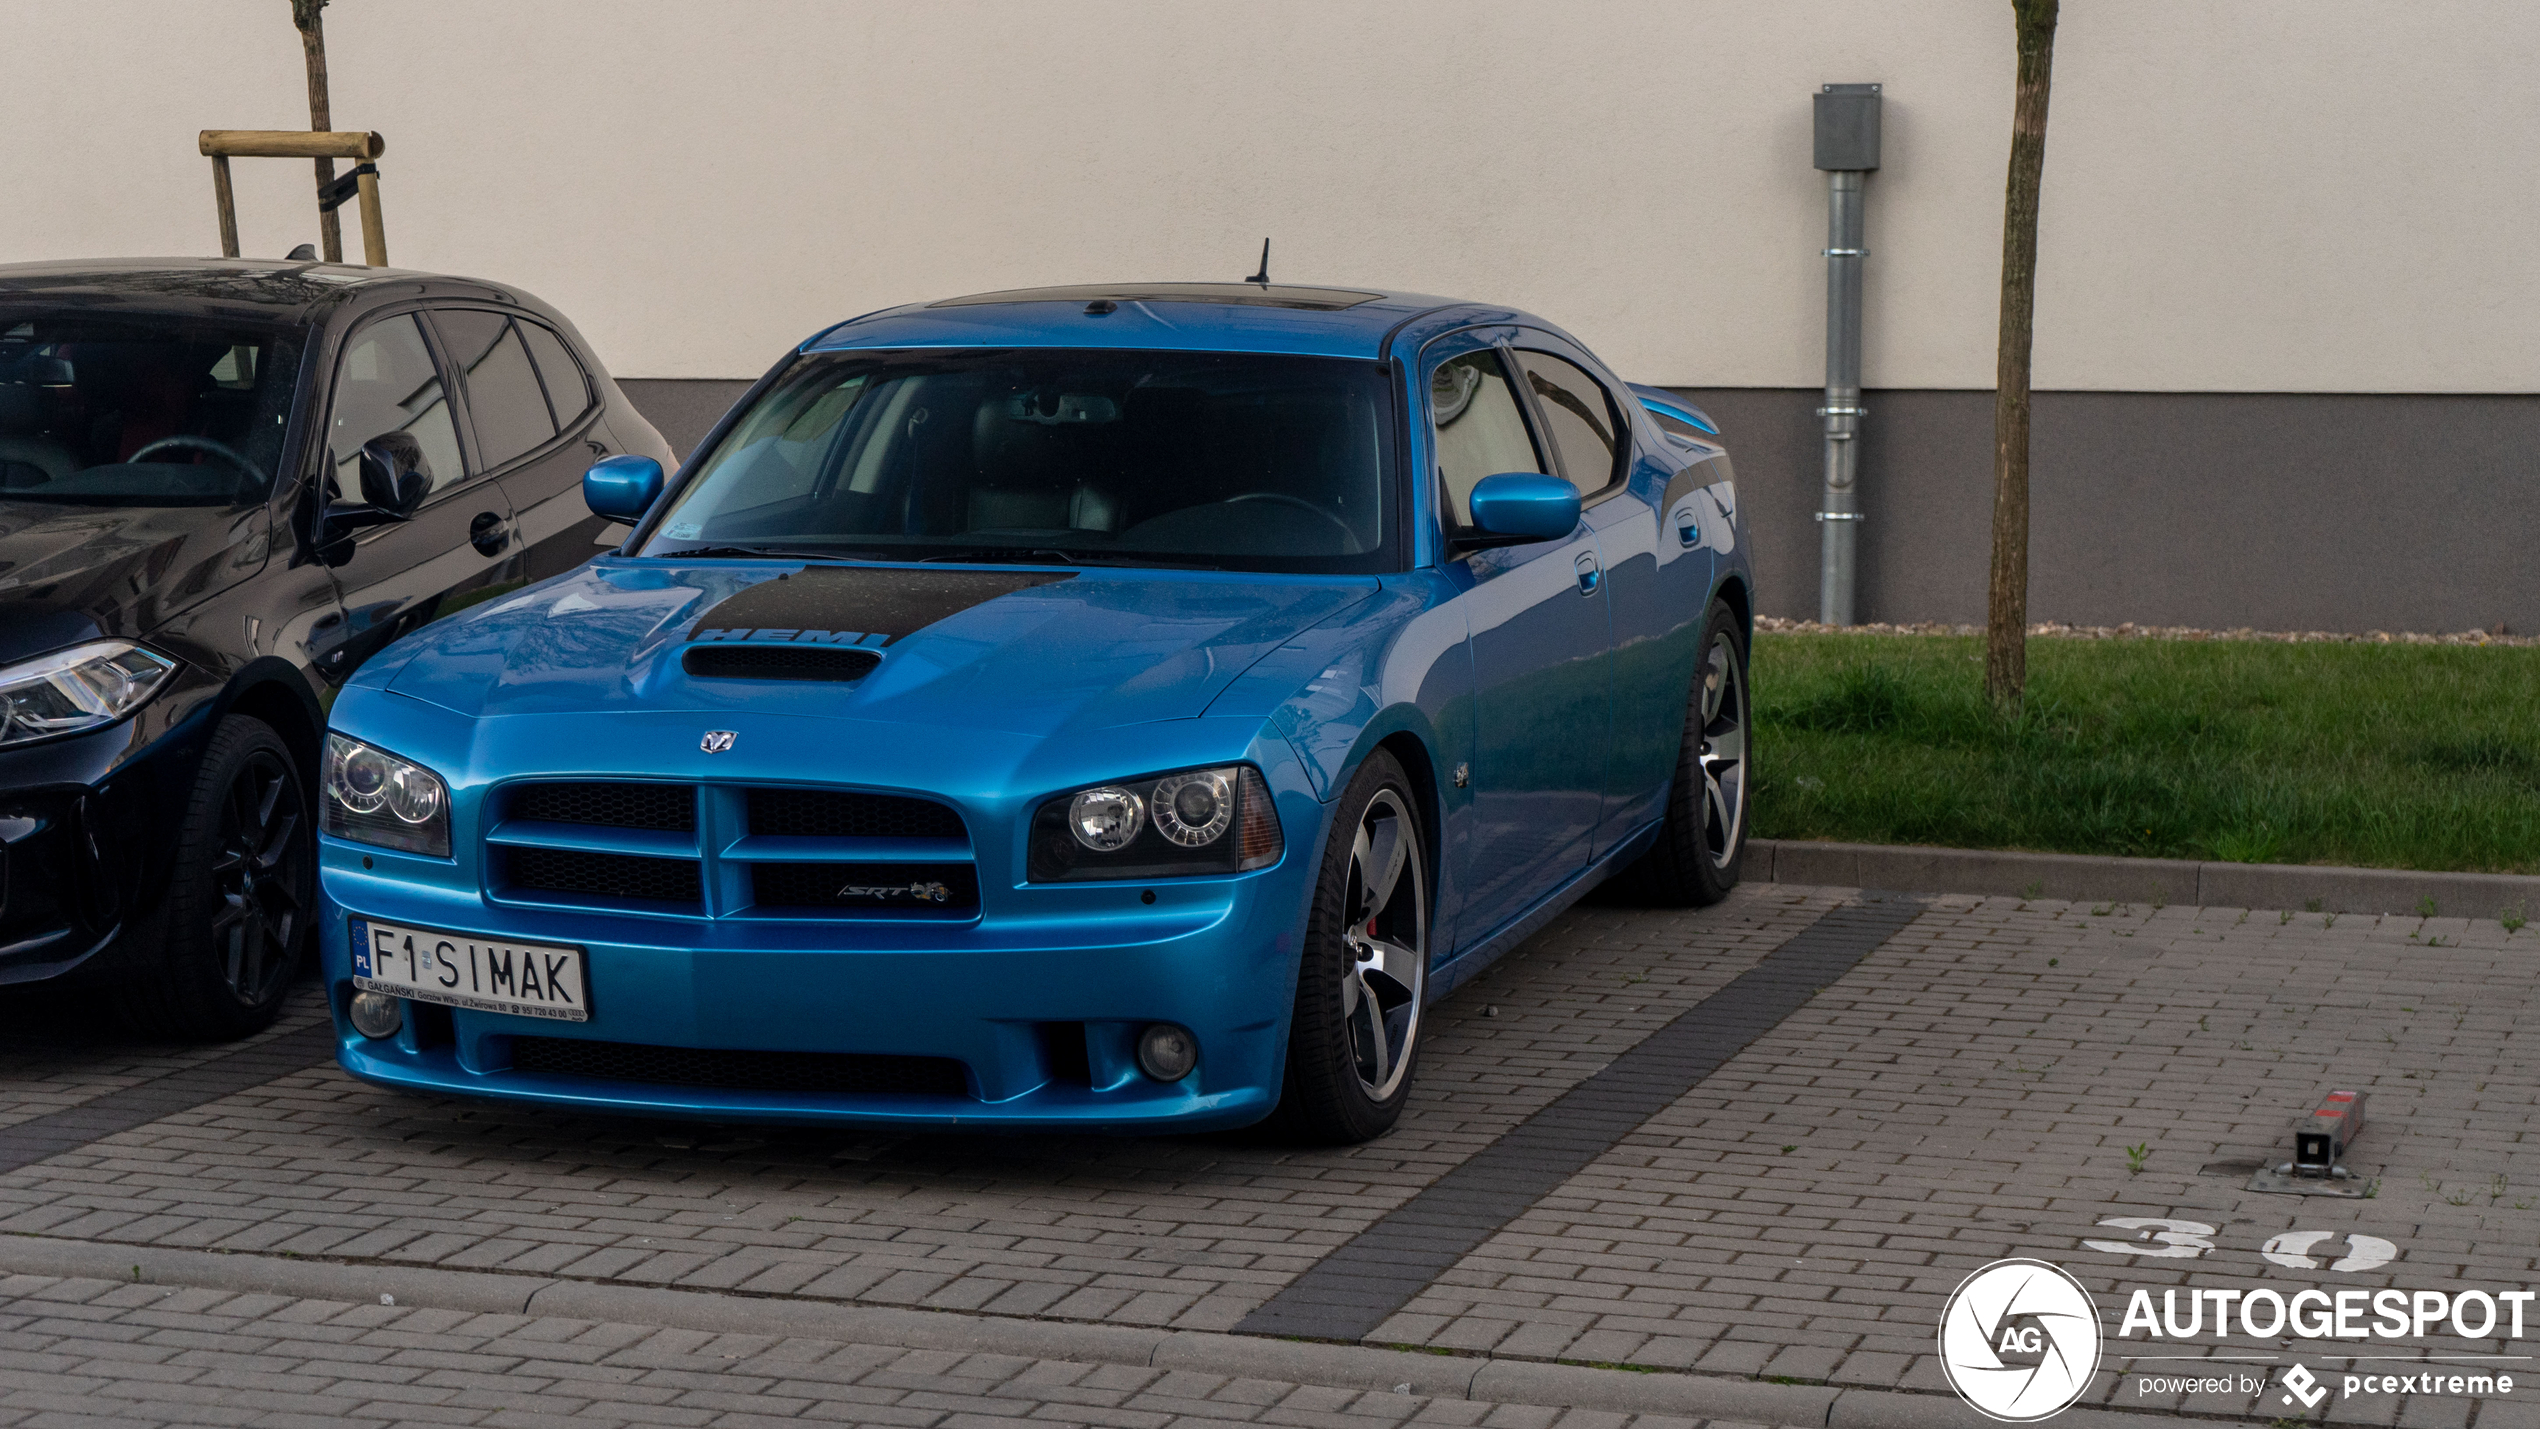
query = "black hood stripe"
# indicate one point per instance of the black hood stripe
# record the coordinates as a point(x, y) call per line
point(873, 601)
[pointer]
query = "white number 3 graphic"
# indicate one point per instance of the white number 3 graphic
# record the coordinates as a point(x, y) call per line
point(2179, 1240)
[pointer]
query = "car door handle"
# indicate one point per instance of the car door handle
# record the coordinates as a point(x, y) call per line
point(1589, 575)
point(489, 533)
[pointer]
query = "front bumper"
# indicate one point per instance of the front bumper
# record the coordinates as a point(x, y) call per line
point(1012, 1003)
point(87, 833)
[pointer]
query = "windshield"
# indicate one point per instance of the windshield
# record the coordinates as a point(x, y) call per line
point(1234, 460)
point(134, 410)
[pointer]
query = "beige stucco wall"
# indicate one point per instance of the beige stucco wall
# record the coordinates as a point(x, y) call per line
point(2286, 195)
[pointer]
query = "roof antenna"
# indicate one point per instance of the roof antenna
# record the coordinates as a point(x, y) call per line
point(1262, 277)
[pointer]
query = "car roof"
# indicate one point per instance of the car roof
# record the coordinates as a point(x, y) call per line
point(257, 289)
point(1197, 317)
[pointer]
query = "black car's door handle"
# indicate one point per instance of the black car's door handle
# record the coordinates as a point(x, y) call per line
point(489, 533)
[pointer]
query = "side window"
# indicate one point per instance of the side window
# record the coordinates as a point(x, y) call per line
point(1480, 429)
point(504, 400)
point(1586, 431)
point(568, 387)
point(386, 383)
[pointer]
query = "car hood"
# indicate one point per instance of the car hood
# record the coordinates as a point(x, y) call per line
point(1029, 652)
point(72, 573)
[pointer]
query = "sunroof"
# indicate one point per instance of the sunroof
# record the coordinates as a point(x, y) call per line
point(1249, 295)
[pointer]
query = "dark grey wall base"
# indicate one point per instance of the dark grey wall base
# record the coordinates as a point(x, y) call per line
point(2142, 880)
point(2221, 510)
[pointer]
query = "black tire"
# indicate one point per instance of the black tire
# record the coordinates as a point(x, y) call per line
point(242, 897)
point(1354, 1041)
point(1702, 846)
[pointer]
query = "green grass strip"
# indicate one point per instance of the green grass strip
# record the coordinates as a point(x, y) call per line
point(2387, 756)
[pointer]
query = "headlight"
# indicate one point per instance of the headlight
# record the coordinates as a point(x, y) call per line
point(1191, 821)
point(83, 688)
point(373, 797)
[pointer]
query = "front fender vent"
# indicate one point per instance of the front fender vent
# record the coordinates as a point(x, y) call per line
point(778, 662)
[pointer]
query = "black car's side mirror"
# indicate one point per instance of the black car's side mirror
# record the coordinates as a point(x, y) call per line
point(395, 479)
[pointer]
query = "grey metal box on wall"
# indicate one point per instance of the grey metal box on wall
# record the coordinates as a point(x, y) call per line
point(1848, 126)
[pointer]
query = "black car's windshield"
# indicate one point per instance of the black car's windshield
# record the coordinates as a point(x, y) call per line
point(1237, 460)
point(134, 410)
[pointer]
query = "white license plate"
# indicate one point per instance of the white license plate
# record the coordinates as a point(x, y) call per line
point(465, 970)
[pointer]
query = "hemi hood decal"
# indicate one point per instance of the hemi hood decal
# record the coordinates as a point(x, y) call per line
point(857, 605)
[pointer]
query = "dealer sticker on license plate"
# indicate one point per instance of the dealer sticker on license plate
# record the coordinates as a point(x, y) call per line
point(464, 970)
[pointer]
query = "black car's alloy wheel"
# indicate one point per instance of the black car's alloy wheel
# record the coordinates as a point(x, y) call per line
point(1355, 1036)
point(217, 957)
point(1702, 846)
point(258, 860)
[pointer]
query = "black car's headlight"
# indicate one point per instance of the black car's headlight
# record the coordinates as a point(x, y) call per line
point(72, 691)
point(373, 797)
point(1190, 821)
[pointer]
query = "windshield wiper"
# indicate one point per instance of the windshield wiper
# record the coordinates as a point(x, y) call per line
point(755, 553)
point(1048, 556)
point(1006, 556)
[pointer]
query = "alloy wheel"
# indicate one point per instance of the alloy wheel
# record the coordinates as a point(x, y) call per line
point(1388, 939)
point(1723, 751)
point(259, 875)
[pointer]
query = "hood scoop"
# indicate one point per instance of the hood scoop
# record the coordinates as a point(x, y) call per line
point(779, 662)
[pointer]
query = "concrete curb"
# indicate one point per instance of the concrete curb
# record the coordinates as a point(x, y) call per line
point(1503, 1381)
point(2080, 878)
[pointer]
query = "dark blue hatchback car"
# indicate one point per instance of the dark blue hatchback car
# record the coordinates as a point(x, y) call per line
point(1120, 708)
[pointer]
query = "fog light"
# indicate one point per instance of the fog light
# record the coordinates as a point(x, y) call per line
point(1166, 1052)
point(376, 1014)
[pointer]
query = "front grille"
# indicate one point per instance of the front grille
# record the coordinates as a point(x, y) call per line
point(839, 814)
point(846, 1073)
point(607, 875)
point(880, 887)
point(778, 662)
point(671, 807)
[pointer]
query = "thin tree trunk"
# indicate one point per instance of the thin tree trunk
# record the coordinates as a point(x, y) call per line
point(305, 15)
point(2006, 604)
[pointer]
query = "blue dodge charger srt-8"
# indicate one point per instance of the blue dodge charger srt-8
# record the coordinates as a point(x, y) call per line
point(1118, 708)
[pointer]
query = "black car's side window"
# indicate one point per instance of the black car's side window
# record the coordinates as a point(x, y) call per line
point(568, 386)
point(1586, 429)
point(1480, 429)
point(386, 383)
point(504, 400)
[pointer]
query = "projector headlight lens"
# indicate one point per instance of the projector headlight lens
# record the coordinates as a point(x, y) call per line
point(1195, 810)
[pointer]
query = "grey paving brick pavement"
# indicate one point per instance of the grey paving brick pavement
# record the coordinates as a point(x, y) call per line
point(60, 1049)
point(1967, 1092)
point(91, 1354)
point(1188, 1232)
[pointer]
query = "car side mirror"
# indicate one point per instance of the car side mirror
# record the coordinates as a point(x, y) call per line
point(395, 478)
point(622, 488)
point(1516, 507)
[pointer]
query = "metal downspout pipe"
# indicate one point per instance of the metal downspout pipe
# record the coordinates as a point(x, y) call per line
point(1847, 149)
